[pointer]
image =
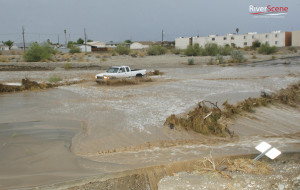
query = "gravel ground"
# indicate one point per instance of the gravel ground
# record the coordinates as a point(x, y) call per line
point(285, 174)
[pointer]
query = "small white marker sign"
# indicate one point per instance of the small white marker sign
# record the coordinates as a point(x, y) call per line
point(266, 149)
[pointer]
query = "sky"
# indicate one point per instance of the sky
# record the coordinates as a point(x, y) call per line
point(137, 20)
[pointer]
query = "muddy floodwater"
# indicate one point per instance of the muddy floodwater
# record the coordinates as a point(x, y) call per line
point(60, 134)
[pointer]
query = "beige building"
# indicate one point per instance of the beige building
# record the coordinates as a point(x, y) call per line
point(275, 38)
point(296, 38)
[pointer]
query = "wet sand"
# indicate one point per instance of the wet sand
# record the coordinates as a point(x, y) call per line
point(61, 134)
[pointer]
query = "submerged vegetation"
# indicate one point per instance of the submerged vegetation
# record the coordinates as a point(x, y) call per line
point(207, 118)
point(126, 81)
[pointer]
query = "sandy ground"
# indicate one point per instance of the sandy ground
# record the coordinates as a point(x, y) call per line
point(62, 134)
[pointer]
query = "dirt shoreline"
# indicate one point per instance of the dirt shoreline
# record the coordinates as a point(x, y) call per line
point(148, 62)
point(149, 177)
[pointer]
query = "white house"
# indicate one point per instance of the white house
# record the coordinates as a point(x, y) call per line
point(3, 47)
point(139, 45)
point(275, 38)
point(296, 38)
point(82, 48)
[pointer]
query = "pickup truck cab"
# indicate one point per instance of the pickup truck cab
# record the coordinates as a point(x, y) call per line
point(120, 72)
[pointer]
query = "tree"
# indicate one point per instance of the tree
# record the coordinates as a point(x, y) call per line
point(9, 43)
point(80, 41)
point(237, 30)
point(128, 42)
point(75, 49)
point(70, 44)
point(89, 40)
point(38, 52)
point(122, 49)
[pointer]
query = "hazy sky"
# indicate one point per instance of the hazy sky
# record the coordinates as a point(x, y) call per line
point(138, 20)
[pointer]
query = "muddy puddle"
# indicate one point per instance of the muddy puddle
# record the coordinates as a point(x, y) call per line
point(60, 134)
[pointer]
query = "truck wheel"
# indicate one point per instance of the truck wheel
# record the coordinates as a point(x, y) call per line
point(139, 75)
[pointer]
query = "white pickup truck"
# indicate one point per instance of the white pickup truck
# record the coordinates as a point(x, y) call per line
point(120, 72)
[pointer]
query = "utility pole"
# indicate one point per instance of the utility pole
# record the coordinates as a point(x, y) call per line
point(65, 31)
point(58, 39)
point(162, 38)
point(23, 33)
point(85, 39)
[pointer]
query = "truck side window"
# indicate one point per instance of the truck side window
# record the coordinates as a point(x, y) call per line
point(127, 69)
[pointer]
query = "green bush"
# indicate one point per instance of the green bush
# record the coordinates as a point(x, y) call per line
point(191, 61)
point(157, 50)
point(256, 44)
point(54, 78)
point(75, 49)
point(267, 49)
point(176, 51)
point(225, 50)
point(237, 56)
point(211, 49)
point(194, 50)
point(122, 49)
point(38, 52)
point(220, 59)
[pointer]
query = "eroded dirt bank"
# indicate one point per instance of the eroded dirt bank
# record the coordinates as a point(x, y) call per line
point(284, 168)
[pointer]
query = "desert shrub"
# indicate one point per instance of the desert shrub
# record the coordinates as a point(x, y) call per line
point(220, 59)
point(194, 50)
point(246, 48)
point(156, 50)
point(175, 51)
point(211, 49)
point(189, 51)
point(267, 49)
point(122, 49)
point(225, 50)
point(254, 57)
point(191, 61)
point(256, 44)
point(67, 66)
point(54, 78)
point(75, 49)
point(38, 52)
point(294, 49)
point(237, 56)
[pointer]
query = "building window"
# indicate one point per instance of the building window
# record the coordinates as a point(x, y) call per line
point(245, 37)
point(252, 36)
point(276, 42)
point(232, 37)
point(276, 35)
point(245, 43)
point(213, 39)
point(225, 38)
point(267, 35)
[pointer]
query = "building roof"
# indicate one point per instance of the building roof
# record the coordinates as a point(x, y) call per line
point(96, 44)
point(149, 42)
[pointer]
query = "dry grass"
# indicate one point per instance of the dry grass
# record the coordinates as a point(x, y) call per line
point(210, 119)
point(245, 165)
point(126, 81)
point(248, 166)
point(155, 72)
point(203, 119)
point(209, 164)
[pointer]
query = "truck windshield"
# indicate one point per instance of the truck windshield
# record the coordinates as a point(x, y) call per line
point(112, 70)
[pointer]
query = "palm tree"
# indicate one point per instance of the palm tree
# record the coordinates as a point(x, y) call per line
point(237, 30)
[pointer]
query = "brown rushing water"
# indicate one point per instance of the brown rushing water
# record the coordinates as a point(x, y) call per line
point(55, 135)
